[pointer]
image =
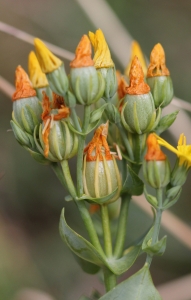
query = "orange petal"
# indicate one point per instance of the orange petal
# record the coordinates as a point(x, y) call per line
point(153, 149)
point(157, 65)
point(83, 54)
point(23, 85)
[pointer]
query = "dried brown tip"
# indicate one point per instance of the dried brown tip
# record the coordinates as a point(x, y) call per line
point(157, 65)
point(83, 54)
point(122, 85)
point(137, 85)
point(153, 149)
point(23, 85)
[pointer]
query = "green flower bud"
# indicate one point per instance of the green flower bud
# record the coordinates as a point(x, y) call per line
point(156, 168)
point(161, 89)
point(100, 173)
point(179, 174)
point(27, 108)
point(58, 81)
point(24, 139)
point(109, 75)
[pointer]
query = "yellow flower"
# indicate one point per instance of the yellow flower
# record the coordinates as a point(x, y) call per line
point(102, 56)
point(37, 77)
point(136, 51)
point(183, 151)
point(47, 60)
point(157, 66)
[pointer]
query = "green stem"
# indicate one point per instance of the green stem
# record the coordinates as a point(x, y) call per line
point(75, 119)
point(109, 280)
point(106, 230)
point(122, 226)
point(68, 178)
point(81, 144)
point(125, 140)
point(157, 224)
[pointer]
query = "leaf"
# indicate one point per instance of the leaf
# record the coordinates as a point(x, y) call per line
point(166, 122)
point(87, 266)
point(133, 185)
point(89, 129)
point(151, 199)
point(97, 114)
point(78, 244)
point(156, 249)
point(137, 287)
point(38, 157)
point(100, 200)
point(174, 200)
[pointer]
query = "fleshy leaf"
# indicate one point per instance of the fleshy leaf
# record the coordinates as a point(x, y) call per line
point(133, 185)
point(166, 122)
point(38, 157)
point(100, 200)
point(151, 199)
point(87, 266)
point(97, 114)
point(156, 249)
point(172, 200)
point(139, 286)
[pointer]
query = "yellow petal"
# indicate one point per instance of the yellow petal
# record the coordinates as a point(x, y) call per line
point(136, 51)
point(102, 56)
point(37, 77)
point(47, 60)
point(157, 66)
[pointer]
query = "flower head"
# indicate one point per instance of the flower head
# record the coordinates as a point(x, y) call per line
point(153, 149)
point(102, 56)
point(137, 85)
point(183, 151)
point(136, 51)
point(23, 85)
point(83, 54)
point(37, 77)
point(47, 60)
point(157, 65)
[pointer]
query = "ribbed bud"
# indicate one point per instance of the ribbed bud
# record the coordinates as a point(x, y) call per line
point(26, 106)
point(100, 173)
point(179, 174)
point(58, 81)
point(109, 75)
point(23, 138)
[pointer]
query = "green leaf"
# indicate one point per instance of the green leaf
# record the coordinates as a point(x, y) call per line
point(97, 114)
point(173, 200)
point(78, 244)
point(87, 266)
point(151, 199)
point(133, 185)
point(100, 200)
point(156, 249)
point(38, 157)
point(166, 122)
point(91, 127)
point(137, 287)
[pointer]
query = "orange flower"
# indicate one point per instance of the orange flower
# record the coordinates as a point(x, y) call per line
point(23, 85)
point(137, 85)
point(153, 149)
point(157, 65)
point(83, 54)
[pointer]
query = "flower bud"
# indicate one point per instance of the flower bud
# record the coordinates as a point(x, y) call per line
point(138, 112)
point(158, 77)
point(53, 67)
point(104, 63)
point(26, 106)
point(57, 141)
point(100, 173)
point(37, 77)
point(136, 51)
point(156, 168)
point(86, 83)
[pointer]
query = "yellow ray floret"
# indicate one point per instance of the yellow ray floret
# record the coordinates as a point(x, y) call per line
point(37, 77)
point(47, 60)
point(183, 151)
point(102, 56)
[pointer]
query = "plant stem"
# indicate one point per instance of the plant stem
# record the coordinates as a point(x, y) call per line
point(109, 279)
point(106, 230)
point(157, 224)
point(125, 140)
point(122, 226)
point(75, 119)
point(81, 150)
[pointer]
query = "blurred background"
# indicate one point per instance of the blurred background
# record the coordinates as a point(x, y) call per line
point(34, 262)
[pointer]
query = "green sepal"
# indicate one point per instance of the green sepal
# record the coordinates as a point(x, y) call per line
point(157, 248)
point(139, 286)
point(100, 200)
point(22, 137)
point(151, 199)
point(112, 113)
point(97, 114)
point(68, 198)
point(91, 127)
point(38, 157)
point(166, 122)
point(133, 185)
point(85, 250)
point(172, 195)
point(87, 266)
point(29, 119)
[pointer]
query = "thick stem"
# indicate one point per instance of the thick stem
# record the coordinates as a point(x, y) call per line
point(81, 150)
point(106, 230)
point(109, 280)
point(122, 226)
point(157, 224)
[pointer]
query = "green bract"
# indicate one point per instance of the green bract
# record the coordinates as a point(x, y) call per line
point(58, 81)
point(138, 114)
point(157, 173)
point(87, 85)
point(161, 89)
point(27, 113)
point(109, 75)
